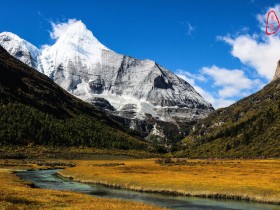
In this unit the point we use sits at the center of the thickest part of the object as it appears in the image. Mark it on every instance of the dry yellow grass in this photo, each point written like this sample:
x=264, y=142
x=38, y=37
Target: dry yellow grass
x=257, y=180
x=16, y=194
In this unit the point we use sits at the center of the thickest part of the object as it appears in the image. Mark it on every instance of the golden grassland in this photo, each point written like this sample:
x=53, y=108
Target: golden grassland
x=257, y=180
x=17, y=194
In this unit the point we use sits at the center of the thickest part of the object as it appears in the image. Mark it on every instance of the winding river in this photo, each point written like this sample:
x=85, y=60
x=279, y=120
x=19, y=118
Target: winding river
x=50, y=180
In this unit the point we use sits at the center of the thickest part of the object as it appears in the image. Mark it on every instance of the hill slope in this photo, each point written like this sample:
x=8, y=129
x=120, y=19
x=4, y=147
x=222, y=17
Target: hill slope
x=248, y=128
x=33, y=109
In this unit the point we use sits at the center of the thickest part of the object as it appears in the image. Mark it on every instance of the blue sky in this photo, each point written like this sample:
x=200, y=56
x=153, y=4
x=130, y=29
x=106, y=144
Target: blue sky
x=219, y=46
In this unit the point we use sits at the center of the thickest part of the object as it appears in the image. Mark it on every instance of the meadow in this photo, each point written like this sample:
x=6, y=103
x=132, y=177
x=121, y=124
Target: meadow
x=17, y=194
x=256, y=180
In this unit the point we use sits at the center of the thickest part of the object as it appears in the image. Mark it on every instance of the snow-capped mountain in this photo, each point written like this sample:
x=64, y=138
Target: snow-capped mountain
x=132, y=88
x=21, y=49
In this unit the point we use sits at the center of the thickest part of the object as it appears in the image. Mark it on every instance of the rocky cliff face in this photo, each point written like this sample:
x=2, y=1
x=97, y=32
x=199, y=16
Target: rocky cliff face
x=130, y=88
x=277, y=72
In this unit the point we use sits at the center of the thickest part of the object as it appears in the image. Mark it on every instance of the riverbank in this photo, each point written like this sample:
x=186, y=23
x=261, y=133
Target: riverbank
x=18, y=194
x=255, y=180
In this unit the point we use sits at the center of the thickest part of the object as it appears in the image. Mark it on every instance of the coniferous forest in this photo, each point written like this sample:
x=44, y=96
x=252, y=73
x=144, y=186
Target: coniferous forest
x=33, y=109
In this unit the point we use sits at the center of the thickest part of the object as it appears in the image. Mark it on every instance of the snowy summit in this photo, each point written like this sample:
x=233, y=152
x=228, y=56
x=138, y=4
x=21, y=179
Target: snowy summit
x=133, y=88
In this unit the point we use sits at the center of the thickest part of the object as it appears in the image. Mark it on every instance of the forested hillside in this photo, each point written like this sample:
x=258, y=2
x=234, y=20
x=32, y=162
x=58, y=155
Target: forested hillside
x=33, y=109
x=248, y=128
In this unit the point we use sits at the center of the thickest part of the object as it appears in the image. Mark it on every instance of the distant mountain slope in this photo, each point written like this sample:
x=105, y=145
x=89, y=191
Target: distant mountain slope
x=33, y=109
x=20, y=49
x=248, y=128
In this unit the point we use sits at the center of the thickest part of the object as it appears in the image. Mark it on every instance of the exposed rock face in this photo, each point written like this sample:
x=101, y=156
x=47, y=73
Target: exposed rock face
x=277, y=72
x=102, y=103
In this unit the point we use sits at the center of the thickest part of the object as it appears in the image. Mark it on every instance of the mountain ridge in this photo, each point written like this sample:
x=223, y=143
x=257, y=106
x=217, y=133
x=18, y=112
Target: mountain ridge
x=21, y=49
x=80, y=64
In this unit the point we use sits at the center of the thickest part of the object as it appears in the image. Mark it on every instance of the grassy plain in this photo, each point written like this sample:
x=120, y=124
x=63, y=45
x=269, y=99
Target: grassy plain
x=256, y=180
x=17, y=194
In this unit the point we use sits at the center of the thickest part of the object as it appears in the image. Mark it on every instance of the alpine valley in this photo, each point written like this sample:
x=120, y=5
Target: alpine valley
x=141, y=94
x=85, y=126
x=127, y=93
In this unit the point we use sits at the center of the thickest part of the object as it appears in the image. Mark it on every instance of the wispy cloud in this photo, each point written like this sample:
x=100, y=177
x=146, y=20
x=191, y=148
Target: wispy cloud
x=224, y=85
x=189, y=27
x=59, y=28
x=230, y=83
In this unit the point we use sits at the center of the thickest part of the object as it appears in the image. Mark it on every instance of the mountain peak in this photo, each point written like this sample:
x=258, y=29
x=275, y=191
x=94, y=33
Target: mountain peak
x=79, y=23
x=10, y=35
x=19, y=48
x=77, y=34
x=277, y=72
x=76, y=44
x=76, y=28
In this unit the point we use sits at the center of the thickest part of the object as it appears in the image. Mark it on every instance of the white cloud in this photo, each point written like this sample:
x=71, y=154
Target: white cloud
x=228, y=91
x=59, y=28
x=182, y=75
x=231, y=82
x=258, y=51
x=262, y=56
x=44, y=46
x=216, y=102
x=190, y=29
x=221, y=102
x=227, y=86
x=189, y=75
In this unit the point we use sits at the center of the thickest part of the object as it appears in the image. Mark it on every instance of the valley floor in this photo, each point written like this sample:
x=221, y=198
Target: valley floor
x=256, y=180
x=18, y=194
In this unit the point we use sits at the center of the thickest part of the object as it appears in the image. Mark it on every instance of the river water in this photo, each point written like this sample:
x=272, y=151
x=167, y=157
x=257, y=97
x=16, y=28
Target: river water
x=50, y=180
